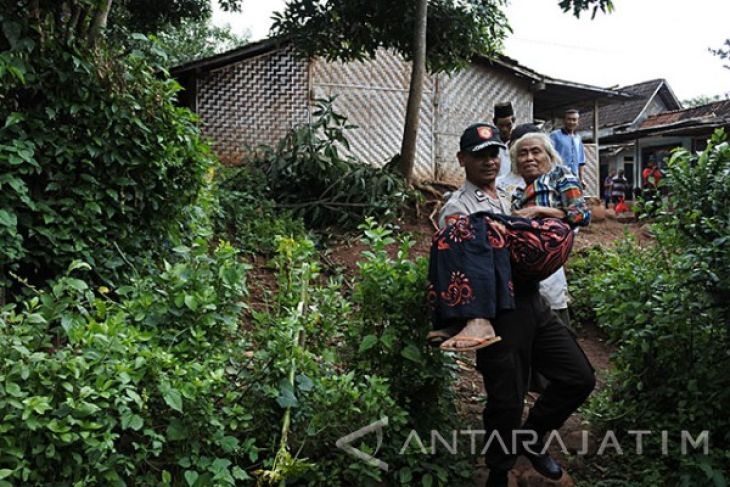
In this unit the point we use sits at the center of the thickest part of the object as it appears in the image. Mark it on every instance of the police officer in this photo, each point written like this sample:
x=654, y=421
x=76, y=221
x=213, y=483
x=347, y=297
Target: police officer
x=479, y=155
x=531, y=336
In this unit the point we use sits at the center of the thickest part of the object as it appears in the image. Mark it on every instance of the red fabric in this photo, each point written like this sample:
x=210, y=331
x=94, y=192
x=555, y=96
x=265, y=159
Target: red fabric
x=649, y=172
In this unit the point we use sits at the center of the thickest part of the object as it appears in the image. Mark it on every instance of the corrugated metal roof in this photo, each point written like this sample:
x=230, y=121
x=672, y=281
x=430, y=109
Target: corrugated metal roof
x=719, y=109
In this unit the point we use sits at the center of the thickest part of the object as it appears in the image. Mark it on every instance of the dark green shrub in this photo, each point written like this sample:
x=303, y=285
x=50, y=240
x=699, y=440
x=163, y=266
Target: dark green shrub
x=308, y=173
x=307, y=394
x=246, y=215
x=143, y=392
x=388, y=337
x=666, y=308
x=97, y=162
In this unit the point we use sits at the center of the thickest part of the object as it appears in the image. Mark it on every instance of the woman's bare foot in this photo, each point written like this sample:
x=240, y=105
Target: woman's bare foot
x=477, y=333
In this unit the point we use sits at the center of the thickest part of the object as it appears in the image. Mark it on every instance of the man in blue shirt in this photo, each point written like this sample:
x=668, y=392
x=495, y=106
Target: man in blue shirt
x=569, y=144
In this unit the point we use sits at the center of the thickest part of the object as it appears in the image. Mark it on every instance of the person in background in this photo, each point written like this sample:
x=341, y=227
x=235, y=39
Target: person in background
x=619, y=188
x=504, y=120
x=569, y=144
x=511, y=181
x=651, y=176
x=607, y=187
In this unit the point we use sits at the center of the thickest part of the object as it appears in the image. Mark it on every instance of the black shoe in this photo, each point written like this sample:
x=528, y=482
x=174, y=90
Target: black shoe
x=497, y=478
x=544, y=464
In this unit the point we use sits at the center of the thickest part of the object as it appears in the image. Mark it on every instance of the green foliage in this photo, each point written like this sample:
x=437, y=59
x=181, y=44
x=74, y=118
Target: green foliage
x=76, y=20
x=389, y=336
x=304, y=385
x=356, y=29
x=351, y=30
x=197, y=39
x=94, y=391
x=723, y=52
x=309, y=174
x=578, y=6
x=666, y=308
x=96, y=159
x=246, y=215
x=703, y=100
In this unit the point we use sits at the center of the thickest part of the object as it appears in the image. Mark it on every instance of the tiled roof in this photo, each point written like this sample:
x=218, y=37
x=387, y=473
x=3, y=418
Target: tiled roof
x=622, y=113
x=718, y=109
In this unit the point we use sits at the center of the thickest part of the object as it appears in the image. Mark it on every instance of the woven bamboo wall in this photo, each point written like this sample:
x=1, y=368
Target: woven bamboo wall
x=255, y=101
x=591, y=171
x=373, y=95
x=466, y=97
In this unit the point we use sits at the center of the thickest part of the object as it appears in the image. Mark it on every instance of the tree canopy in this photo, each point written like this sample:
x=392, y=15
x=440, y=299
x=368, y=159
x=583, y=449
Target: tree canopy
x=723, y=52
x=355, y=29
x=195, y=39
x=86, y=20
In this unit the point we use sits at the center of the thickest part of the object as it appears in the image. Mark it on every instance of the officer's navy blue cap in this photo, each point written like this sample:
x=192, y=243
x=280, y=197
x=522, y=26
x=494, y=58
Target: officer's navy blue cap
x=478, y=137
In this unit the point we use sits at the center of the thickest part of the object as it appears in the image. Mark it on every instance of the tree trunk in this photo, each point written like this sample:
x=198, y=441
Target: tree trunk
x=410, y=133
x=98, y=23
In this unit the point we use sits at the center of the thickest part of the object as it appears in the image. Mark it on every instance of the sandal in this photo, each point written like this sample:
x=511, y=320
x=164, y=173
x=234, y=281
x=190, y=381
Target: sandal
x=437, y=337
x=478, y=343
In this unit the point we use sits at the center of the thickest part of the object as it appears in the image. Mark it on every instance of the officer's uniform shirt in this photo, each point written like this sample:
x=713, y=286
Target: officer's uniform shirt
x=510, y=183
x=470, y=199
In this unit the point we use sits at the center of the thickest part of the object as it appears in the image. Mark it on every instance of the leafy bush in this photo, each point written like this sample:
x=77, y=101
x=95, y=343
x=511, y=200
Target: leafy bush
x=338, y=364
x=308, y=397
x=308, y=174
x=245, y=213
x=97, y=162
x=666, y=308
x=389, y=336
x=145, y=391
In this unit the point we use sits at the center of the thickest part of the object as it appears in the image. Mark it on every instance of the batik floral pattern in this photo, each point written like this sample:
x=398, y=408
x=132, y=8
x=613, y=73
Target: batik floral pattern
x=459, y=290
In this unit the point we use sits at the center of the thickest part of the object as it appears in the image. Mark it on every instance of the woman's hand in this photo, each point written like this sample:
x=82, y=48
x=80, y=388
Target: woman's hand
x=539, y=212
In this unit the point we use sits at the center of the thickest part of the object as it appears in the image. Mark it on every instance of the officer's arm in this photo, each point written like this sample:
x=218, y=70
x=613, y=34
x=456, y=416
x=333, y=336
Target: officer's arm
x=450, y=212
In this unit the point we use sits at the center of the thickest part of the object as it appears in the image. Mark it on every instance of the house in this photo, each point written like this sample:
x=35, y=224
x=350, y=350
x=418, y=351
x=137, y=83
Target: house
x=255, y=94
x=619, y=118
x=633, y=132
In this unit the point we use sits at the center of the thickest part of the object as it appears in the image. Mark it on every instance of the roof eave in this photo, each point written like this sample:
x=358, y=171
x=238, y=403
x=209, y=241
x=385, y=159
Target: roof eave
x=230, y=57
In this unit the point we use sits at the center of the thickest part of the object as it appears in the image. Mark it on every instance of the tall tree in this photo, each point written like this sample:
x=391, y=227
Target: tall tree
x=351, y=30
x=410, y=132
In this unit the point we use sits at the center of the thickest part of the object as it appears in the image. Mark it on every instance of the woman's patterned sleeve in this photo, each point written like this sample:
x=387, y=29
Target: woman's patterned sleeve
x=572, y=200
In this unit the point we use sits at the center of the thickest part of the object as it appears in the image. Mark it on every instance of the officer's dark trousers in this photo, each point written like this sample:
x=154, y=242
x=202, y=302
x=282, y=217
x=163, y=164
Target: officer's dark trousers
x=531, y=335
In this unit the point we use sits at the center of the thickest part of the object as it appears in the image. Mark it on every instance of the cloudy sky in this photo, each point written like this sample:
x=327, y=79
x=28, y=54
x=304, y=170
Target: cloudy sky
x=640, y=40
